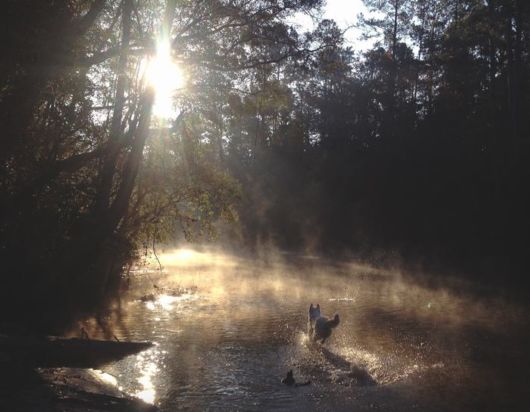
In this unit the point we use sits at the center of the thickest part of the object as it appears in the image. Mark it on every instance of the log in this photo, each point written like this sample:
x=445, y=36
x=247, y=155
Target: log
x=55, y=352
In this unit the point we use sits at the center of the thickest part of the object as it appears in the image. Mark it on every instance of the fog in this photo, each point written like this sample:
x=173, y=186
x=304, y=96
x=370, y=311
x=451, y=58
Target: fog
x=227, y=329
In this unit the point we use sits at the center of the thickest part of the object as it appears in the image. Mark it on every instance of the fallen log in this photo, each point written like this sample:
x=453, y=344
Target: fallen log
x=54, y=352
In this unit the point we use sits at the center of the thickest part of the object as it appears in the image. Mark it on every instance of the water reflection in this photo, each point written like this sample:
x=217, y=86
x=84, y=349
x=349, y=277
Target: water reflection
x=229, y=339
x=147, y=363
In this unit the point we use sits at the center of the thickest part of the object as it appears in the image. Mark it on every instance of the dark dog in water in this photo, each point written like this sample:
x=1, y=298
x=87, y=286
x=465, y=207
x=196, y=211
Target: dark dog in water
x=290, y=381
x=320, y=327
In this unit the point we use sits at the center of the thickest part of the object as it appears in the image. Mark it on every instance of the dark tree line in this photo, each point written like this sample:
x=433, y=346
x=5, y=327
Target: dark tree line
x=419, y=145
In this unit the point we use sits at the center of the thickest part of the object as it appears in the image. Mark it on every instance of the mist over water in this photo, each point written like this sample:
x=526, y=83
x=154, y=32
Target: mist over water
x=237, y=326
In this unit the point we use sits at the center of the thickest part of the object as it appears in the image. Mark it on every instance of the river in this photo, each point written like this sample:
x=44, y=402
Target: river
x=226, y=341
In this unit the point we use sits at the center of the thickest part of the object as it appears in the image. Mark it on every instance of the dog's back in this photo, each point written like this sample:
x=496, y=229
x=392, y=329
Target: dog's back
x=324, y=326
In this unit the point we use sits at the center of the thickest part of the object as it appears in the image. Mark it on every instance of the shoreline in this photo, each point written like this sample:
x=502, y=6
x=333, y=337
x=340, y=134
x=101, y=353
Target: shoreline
x=63, y=389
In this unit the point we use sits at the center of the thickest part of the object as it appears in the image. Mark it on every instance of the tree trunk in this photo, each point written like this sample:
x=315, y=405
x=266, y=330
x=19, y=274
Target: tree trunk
x=121, y=203
x=116, y=133
x=517, y=92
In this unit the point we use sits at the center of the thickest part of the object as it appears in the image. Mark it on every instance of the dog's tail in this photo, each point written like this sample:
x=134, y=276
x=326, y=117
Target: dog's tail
x=333, y=323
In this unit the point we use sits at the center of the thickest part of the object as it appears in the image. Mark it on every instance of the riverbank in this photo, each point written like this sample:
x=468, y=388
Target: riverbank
x=63, y=389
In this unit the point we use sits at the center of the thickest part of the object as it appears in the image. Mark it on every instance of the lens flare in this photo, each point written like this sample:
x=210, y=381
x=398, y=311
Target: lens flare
x=166, y=77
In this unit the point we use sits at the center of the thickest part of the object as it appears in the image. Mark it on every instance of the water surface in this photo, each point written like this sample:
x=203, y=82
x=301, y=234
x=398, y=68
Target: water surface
x=226, y=341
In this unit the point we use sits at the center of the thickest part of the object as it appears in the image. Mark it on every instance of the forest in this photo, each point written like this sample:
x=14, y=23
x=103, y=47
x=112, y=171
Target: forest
x=284, y=137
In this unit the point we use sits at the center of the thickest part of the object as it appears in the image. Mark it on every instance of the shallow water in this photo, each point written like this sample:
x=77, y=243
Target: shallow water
x=240, y=326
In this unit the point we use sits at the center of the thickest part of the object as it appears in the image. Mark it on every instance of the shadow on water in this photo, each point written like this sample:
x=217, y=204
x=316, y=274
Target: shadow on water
x=359, y=375
x=331, y=367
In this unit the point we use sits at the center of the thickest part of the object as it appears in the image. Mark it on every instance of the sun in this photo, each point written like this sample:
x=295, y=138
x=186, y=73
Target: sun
x=166, y=77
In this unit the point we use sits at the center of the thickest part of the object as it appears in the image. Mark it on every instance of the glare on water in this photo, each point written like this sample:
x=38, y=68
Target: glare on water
x=148, y=368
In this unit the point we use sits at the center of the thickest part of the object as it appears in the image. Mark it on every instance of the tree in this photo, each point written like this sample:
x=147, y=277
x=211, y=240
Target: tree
x=74, y=202
x=395, y=26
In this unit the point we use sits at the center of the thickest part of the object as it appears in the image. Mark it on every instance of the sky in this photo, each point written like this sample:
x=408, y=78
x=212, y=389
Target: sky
x=345, y=13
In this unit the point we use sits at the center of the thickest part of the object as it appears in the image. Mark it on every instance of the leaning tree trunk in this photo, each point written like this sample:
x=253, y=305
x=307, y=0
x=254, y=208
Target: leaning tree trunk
x=118, y=212
x=97, y=252
x=108, y=171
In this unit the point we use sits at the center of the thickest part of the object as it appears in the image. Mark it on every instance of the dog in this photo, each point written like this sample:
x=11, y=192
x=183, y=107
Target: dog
x=320, y=327
x=314, y=314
